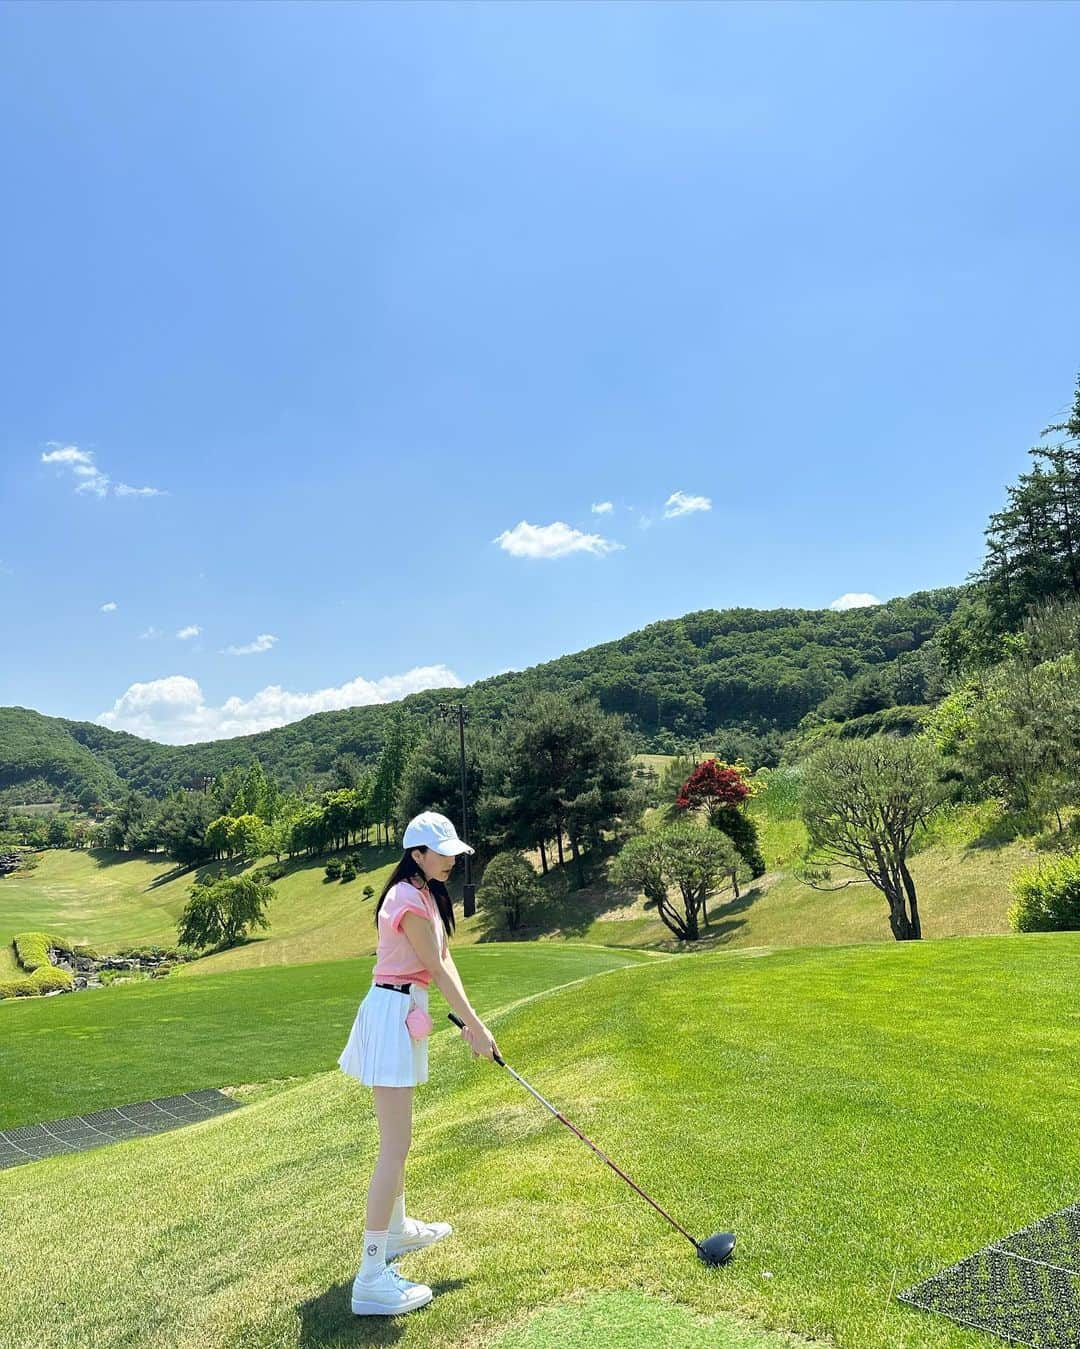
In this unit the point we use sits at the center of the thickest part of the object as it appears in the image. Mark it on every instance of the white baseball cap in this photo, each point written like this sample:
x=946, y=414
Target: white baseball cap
x=429, y=829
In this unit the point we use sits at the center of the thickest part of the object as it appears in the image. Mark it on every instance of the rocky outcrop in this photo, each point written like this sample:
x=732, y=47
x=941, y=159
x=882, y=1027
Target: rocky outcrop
x=9, y=862
x=86, y=970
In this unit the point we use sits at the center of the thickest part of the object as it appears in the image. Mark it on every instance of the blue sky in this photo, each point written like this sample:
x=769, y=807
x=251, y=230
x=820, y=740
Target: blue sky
x=326, y=328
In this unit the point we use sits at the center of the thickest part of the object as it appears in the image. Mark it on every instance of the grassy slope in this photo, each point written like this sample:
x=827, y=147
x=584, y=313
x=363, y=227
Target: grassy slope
x=140, y=1040
x=962, y=872
x=861, y=1116
x=99, y=897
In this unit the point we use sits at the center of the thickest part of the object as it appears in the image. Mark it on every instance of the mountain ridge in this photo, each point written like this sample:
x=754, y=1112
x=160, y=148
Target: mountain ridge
x=754, y=673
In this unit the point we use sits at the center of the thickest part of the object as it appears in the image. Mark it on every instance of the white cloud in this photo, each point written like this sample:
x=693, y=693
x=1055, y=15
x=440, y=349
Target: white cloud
x=93, y=479
x=173, y=710
x=602, y=507
x=644, y=521
x=681, y=504
x=554, y=540
x=123, y=490
x=151, y=631
x=192, y=630
x=854, y=600
x=70, y=454
x=98, y=483
x=109, y=607
x=263, y=642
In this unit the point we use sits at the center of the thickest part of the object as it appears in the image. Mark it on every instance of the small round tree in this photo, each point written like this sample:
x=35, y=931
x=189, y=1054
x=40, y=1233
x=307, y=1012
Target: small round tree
x=861, y=802
x=683, y=857
x=510, y=888
x=713, y=785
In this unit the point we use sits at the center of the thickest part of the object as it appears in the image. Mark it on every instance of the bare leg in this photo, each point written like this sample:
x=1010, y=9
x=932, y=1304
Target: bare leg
x=393, y=1109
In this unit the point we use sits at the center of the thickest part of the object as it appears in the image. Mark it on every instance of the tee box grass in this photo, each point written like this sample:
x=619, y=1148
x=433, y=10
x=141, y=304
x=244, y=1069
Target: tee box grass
x=861, y=1116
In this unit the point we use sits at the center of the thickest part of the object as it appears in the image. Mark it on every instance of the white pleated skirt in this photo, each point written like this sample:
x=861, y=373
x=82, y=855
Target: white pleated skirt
x=380, y=1052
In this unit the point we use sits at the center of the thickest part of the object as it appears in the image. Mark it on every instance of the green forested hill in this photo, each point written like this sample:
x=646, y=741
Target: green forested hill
x=39, y=756
x=752, y=674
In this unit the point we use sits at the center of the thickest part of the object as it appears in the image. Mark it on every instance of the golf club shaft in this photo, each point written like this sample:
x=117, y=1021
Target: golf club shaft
x=588, y=1142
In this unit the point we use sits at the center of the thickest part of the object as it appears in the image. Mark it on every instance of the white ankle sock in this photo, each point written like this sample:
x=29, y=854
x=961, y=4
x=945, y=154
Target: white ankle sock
x=397, y=1216
x=374, y=1261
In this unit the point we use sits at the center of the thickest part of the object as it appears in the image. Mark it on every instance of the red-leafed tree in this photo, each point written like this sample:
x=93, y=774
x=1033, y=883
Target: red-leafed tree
x=713, y=786
x=721, y=789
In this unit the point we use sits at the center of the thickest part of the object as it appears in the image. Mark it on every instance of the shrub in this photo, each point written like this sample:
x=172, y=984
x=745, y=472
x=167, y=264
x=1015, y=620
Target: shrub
x=51, y=979
x=333, y=870
x=348, y=871
x=1047, y=896
x=133, y=952
x=368, y=891
x=510, y=887
x=120, y=976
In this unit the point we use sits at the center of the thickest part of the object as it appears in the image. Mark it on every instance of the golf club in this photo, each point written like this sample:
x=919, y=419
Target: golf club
x=714, y=1250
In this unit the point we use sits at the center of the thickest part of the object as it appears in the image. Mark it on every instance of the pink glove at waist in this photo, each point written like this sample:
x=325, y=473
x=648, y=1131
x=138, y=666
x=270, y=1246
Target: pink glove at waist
x=419, y=1023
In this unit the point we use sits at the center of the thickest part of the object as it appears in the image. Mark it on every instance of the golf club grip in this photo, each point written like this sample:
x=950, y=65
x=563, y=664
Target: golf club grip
x=458, y=1022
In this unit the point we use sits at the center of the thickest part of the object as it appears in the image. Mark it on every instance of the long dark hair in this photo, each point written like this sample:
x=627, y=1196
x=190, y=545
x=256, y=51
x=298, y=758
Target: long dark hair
x=405, y=870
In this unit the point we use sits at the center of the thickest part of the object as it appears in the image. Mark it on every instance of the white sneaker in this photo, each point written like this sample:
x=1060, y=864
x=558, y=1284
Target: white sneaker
x=414, y=1236
x=387, y=1294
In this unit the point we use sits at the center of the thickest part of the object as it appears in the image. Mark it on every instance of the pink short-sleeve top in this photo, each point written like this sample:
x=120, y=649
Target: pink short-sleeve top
x=396, y=961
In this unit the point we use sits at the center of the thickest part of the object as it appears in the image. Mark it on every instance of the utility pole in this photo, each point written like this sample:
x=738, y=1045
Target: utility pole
x=448, y=712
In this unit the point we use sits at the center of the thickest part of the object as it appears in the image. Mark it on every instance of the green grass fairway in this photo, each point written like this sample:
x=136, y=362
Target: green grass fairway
x=861, y=1116
x=67, y=1055
x=93, y=896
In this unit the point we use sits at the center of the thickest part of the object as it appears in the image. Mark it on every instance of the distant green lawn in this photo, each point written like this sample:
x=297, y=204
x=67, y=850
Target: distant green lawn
x=94, y=896
x=861, y=1116
x=73, y=1053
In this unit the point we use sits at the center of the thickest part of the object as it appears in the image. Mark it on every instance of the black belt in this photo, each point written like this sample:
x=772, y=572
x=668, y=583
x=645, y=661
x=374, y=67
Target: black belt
x=398, y=988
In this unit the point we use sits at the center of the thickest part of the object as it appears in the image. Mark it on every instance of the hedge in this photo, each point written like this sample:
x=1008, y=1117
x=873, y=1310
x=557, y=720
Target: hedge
x=32, y=953
x=32, y=948
x=46, y=979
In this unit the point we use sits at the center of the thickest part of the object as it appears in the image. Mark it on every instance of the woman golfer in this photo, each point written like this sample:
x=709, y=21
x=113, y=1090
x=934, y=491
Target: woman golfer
x=387, y=1049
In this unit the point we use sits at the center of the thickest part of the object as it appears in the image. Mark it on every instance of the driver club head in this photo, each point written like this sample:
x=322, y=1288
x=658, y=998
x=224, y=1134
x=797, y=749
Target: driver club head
x=717, y=1249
